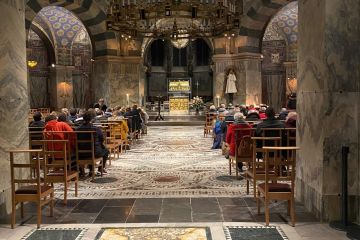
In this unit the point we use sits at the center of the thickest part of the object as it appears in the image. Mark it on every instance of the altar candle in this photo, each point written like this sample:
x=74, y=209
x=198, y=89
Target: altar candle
x=127, y=99
x=218, y=101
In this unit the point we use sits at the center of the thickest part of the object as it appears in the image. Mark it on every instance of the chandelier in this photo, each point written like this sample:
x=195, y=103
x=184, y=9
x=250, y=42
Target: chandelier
x=174, y=19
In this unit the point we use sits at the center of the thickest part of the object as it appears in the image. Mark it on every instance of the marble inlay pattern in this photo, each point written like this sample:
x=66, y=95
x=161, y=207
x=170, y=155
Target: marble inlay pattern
x=181, y=154
x=254, y=233
x=155, y=233
x=55, y=233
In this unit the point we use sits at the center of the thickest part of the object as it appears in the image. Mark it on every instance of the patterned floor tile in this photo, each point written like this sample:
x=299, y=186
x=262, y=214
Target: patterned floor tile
x=254, y=233
x=168, y=162
x=155, y=233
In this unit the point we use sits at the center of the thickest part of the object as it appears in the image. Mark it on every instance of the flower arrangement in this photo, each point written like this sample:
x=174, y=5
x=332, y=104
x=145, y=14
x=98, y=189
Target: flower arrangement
x=197, y=102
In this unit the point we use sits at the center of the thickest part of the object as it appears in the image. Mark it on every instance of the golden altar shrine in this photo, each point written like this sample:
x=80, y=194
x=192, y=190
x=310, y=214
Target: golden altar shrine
x=179, y=95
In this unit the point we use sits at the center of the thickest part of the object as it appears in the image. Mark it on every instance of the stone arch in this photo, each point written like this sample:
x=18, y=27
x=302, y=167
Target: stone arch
x=257, y=15
x=90, y=13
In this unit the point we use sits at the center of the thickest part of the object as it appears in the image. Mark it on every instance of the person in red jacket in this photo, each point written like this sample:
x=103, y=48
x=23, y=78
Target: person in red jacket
x=239, y=123
x=54, y=130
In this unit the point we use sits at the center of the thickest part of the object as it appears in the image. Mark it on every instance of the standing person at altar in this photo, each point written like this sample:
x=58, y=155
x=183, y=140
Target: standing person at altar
x=231, y=85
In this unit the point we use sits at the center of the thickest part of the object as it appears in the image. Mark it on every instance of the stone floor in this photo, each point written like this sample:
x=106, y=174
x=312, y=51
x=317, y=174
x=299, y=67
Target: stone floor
x=170, y=178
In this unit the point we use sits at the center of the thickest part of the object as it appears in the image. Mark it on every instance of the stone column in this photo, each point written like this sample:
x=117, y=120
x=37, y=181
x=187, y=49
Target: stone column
x=117, y=76
x=14, y=103
x=248, y=74
x=61, y=87
x=328, y=104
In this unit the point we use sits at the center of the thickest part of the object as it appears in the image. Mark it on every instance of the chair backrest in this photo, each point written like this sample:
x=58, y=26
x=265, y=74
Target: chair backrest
x=288, y=135
x=209, y=118
x=56, y=156
x=35, y=134
x=258, y=150
x=245, y=148
x=283, y=161
x=85, y=145
x=115, y=131
x=18, y=175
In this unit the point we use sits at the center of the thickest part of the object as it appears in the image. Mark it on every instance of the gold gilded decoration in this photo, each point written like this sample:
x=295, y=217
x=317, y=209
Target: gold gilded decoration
x=179, y=85
x=155, y=233
x=179, y=104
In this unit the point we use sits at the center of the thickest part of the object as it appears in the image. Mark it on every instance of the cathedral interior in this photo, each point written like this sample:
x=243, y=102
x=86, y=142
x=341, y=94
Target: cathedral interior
x=170, y=184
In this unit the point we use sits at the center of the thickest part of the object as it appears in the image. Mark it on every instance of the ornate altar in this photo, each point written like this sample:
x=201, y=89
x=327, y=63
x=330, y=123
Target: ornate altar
x=179, y=92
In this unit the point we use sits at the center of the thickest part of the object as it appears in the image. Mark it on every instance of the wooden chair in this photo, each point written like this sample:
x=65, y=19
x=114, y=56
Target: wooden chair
x=280, y=183
x=256, y=169
x=243, y=150
x=35, y=137
x=58, y=167
x=208, y=127
x=30, y=189
x=112, y=144
x=85, y=152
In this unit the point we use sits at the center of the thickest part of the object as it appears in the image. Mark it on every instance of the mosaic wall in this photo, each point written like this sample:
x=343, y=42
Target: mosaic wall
x=279, y=45
x=63, y=27
x=72, y=46
x=284, y=26
x=38, y=75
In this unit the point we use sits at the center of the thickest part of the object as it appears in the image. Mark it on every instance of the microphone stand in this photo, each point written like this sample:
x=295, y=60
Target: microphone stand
x=159, y=117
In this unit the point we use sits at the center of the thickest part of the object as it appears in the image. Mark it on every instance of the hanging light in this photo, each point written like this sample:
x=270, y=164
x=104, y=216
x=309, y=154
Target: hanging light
x=32, y=63
x=153, y=18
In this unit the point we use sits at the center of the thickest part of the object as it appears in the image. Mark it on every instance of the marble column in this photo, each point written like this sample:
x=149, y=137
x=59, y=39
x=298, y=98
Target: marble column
x=115, y=77
x=61, y=87
x=14, y=102
x=328, y=104
x=248, y=74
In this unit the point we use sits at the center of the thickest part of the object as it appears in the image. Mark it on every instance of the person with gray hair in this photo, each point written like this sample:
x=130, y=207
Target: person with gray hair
x=233, y=137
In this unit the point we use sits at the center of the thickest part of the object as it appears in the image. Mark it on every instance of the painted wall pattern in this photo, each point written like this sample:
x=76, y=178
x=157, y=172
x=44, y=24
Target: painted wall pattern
x=38, y=75
x=63, y=28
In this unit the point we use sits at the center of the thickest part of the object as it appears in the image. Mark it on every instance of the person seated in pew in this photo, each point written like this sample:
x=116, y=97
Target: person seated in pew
x=262, y=113
x=269, y=122
x=100, y=149
x=37, y=123
x=63, y=118
x=72, y=115
x=283, y=114
x=253, y=115
x=59, y=129
x=224, y=126
x=233, y=137
x=290, y=121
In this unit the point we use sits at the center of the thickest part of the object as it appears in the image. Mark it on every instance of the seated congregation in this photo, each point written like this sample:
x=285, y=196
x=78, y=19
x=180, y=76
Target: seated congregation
x=261, y=145
x=69, y=146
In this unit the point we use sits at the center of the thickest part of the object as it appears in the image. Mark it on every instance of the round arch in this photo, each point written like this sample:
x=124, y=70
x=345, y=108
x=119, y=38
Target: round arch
x=91, y=15
x=257, y=15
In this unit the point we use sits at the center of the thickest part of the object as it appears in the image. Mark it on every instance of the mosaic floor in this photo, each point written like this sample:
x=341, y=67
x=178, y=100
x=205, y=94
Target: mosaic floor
x=168, y=162
x=160, y=233
x=170, y=185
x=155, y=233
